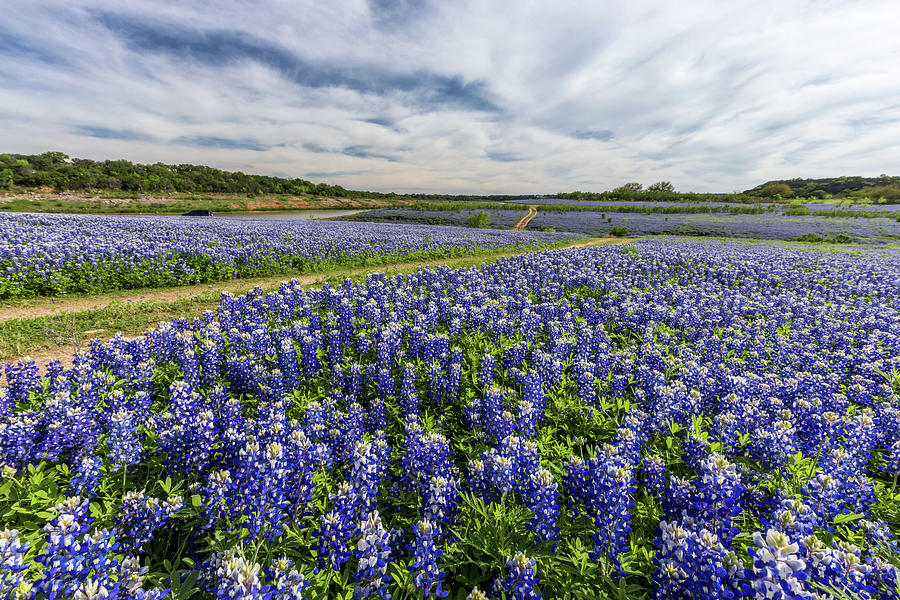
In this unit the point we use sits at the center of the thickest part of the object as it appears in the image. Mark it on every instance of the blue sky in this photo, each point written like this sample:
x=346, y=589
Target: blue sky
x=462, y=97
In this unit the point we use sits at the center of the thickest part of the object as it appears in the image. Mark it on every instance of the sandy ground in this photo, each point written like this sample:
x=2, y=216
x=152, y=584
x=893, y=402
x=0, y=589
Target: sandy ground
x=524, y=221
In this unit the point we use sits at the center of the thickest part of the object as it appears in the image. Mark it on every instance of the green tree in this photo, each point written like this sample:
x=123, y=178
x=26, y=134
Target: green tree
x=661, y=186
x=632, y=186
x=776, y=189
x=6, y=179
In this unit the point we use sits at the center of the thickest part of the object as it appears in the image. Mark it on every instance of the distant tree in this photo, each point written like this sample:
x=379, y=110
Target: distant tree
x=661, y=186
x=776, y=189
x=632, y=186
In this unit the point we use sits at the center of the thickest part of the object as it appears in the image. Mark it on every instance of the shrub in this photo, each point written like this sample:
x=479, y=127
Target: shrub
x=479, y=220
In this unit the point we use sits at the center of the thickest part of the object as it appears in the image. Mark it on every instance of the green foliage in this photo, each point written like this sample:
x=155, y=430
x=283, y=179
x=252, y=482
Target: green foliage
x=837, y=238
x=873, y=187
x=661, y=186
x=620, y=231
x=887, y=192
x=479, y=220
x=779, y=190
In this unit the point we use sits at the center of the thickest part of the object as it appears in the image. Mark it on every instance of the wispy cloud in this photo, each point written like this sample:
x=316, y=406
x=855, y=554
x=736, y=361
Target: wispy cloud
x=203, y=141
x=417, y=95
x=105, y=133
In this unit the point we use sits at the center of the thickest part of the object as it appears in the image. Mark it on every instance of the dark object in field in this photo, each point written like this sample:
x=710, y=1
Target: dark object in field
x=198, y=213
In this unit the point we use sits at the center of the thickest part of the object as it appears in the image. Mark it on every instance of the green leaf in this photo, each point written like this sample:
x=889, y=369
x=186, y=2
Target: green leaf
x=844, y=518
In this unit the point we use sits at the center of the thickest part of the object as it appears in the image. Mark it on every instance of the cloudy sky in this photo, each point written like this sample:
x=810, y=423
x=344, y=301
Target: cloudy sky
x=462, y=97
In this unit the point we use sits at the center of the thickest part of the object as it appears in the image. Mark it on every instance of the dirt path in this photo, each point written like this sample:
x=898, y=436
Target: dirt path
x=522, y=223
x=65, y=353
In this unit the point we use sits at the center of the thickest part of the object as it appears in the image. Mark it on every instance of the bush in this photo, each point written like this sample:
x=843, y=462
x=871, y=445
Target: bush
x=479, y=220
x=620, y=231
x=810, y=237
x=773, y=190
x=835, y=238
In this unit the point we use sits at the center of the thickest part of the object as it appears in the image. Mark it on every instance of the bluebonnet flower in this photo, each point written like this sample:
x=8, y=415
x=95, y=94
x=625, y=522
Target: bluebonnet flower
x=336, y=528
x=88, y=472
x=476, y=594
x=11, y=564
x=505, y=468
x=718, y=494
x=187, y=432
x=131, y=581
x=519, y=583
x=140, y=516
x=533, y=394
x=792, y=517
x=486, y=371
x=773, y=444
x=373, y=552
x=238, y=578
x=304, y=458
x=218, y=502
x=260, y=488
x=778, y=570
x=124, y=442
x=425, y=454
x=437, y=384
x=694, y=450
x=309, y=348
x=19, y=435
x=6, y=403
x=409, y=398
x=542, y=498
x=288, y=582
x=425, y=553
x=454, y=380
x=498, y=422
x=440, y=500
x=695, y=562
x=68, y=426
x=840, y=566
x=369, y=464
x=23, y=378
x=604, y=485
x=653, y=471
x=892, y=464
x=75, y=562
x=386, y=383
x=587, y=385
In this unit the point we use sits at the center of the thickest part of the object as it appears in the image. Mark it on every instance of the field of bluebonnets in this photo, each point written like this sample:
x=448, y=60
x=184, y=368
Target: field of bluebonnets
x=498, y=218
x=50, y=254
x=663, y=419
x=770, y=222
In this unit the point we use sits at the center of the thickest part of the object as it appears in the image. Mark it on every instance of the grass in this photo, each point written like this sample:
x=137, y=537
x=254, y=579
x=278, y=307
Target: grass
x=20, y=337
x=124, y=203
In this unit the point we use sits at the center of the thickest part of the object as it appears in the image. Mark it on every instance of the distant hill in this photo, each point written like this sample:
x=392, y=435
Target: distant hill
x=886, y=186
x=57, y=170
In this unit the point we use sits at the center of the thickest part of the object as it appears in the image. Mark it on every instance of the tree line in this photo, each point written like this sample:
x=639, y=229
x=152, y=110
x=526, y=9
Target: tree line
x=883, y=186
x=62, y=173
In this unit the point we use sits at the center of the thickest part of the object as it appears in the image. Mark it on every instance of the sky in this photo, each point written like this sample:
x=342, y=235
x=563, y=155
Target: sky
x=462, y=97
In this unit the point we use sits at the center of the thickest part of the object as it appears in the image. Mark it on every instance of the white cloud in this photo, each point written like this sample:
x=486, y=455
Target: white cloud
x=465, y=97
